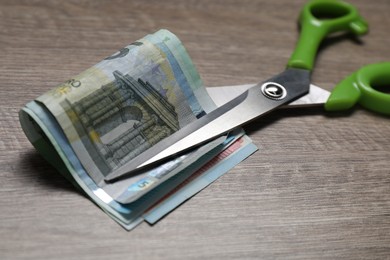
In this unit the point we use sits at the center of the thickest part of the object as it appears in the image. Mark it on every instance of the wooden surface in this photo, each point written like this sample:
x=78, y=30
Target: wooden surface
x=319, y=188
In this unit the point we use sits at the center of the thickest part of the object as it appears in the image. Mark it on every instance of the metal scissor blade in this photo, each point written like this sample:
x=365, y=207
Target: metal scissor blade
x=316, y=97
x=221, y=95
x=256, y=101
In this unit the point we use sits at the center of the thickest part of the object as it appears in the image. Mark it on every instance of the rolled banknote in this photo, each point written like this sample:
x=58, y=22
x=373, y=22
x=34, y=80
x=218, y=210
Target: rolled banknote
x=96, y=122
x=123, y=105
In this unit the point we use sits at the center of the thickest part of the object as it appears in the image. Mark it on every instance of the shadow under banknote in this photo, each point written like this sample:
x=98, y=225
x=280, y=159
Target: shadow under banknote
x=47, y=175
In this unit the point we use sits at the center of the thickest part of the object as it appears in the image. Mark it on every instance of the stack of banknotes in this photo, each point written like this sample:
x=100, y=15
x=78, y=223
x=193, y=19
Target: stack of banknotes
x=98, y=121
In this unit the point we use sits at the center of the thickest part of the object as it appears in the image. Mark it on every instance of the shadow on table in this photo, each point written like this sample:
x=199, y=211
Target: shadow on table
x=35, y=166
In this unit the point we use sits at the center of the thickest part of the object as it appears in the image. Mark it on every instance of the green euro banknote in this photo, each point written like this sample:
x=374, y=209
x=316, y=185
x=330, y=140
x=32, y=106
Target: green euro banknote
x=96, y=122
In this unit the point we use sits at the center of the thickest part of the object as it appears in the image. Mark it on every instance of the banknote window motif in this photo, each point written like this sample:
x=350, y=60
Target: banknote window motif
x=122, y=119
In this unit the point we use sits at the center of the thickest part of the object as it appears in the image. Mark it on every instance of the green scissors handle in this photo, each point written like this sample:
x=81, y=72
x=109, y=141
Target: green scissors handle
x=360, y=86
x=319, y=18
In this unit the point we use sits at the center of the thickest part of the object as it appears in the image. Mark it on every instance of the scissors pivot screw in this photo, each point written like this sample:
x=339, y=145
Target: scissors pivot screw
x=273, y=90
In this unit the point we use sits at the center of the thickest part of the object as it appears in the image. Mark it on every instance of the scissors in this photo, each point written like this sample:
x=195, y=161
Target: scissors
x=318, y=19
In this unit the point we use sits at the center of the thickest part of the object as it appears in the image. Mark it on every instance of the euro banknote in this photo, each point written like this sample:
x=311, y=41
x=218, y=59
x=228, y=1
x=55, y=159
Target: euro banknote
x=96, y=122
x=123, y=105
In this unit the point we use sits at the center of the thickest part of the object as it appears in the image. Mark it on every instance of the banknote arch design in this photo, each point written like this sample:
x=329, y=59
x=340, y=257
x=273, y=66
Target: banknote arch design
x=121, y=120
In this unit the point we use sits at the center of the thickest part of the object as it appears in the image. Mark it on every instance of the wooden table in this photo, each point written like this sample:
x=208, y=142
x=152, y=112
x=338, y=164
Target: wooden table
x=318, y=188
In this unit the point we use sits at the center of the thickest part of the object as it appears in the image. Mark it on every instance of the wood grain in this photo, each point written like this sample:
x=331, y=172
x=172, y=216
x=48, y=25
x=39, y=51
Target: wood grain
x=319, y=188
